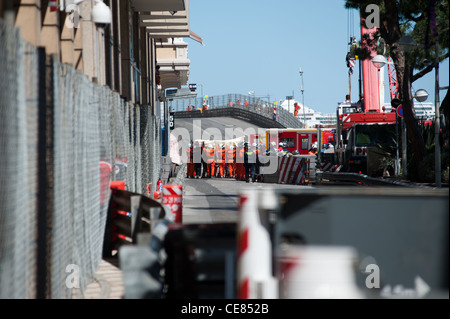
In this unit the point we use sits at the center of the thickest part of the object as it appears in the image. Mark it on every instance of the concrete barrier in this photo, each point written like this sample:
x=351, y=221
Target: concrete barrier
x=296, y=170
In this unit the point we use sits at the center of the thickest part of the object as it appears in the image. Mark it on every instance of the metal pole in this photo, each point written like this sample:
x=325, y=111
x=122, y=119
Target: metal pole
x=397, y=160
x=44, y=173
x=404, y=141
x=350, y=84
x=437, y=128
x=359, y=81
x=303, y=98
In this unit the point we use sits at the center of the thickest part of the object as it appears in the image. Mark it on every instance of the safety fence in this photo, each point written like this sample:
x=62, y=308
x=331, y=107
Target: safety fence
x=63, y=139
x=239, y=102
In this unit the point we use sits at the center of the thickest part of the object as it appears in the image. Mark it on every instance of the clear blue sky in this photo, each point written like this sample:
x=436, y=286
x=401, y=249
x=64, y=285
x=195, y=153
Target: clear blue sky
x=259, y=45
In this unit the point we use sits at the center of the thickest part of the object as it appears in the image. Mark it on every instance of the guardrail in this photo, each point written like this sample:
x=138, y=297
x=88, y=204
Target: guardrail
x=323, y=177
x=239, y=106
x=327, y=170
x=241, y=114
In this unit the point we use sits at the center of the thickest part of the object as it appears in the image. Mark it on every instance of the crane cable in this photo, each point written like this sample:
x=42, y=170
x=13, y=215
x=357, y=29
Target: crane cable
x=351, y=41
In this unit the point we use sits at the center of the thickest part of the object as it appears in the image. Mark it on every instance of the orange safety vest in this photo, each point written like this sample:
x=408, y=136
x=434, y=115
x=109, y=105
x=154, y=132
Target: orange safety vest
x=221, y=155
x=240, y=156
x=230, y=154
x=209, y=155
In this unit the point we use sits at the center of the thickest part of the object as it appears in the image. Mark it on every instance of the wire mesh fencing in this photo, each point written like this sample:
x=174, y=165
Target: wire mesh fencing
x=63, y=139
x=18, y=132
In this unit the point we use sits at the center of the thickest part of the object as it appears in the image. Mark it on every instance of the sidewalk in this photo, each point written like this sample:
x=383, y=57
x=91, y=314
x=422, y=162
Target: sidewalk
x=108, y=283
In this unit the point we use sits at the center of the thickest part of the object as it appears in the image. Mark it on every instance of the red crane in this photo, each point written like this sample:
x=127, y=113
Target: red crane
x=393, y=85
x=364, y=127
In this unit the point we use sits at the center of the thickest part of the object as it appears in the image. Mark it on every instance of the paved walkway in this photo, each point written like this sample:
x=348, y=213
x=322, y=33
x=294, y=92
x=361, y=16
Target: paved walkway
x=108, y=283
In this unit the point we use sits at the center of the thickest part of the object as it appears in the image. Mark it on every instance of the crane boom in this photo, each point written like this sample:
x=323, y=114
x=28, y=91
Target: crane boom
x=365, y=128
x=393, y=85
x=370, y=72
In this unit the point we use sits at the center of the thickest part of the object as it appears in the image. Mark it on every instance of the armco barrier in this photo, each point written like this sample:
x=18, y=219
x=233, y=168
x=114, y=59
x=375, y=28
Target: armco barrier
x=336, y=176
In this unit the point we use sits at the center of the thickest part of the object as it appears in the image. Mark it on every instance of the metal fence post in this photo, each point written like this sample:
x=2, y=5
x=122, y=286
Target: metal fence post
x=45, y=166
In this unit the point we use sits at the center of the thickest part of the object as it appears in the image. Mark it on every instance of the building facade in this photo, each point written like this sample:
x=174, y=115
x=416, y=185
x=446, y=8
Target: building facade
x=138, y=51
x=81, y=88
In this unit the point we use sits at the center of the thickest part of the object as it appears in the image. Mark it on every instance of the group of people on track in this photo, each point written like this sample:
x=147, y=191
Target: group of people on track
x=240, y=161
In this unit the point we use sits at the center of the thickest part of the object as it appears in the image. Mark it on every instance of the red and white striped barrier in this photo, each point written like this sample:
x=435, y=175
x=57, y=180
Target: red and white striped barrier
x=172, y=197
x=329, y=167
x=292, y=170
x=254, y=263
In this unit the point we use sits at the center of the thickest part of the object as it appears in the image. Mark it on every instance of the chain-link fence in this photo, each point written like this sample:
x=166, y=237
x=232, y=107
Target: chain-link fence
x=239, y=101
x=18, y=134
x=63, y=138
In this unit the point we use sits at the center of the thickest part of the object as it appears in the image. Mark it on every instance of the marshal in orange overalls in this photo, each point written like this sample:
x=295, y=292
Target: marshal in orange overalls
x=230, y=160
x=221, y=161
x=210, y=163
x=240, y=171
x=190, y=163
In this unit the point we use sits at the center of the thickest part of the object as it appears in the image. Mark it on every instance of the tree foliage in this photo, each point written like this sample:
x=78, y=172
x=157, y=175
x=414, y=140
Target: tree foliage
x=414, y=20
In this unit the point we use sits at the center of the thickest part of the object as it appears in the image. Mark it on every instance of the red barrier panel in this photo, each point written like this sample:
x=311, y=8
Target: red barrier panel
x=293, y=170
x=172, y=196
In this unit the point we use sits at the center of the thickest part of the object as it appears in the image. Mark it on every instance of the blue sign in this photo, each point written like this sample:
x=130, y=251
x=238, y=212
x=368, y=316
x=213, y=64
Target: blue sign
x=400, y=110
